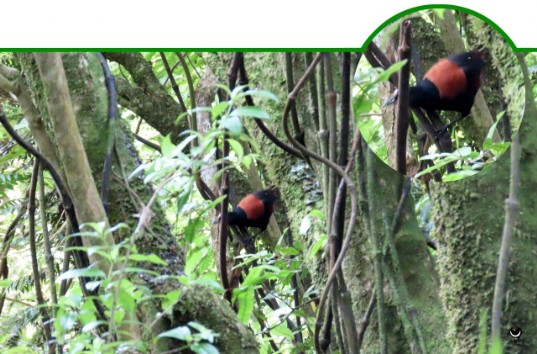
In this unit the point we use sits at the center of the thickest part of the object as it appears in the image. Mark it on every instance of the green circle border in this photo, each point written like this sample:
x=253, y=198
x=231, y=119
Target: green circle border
x=445, y=7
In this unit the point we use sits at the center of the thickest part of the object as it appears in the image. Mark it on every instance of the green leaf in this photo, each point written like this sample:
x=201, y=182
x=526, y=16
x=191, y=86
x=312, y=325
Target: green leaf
x=87, y=312
x=137, y=270
x=254, y=277
x=305, y=225
x=65, y=320
x=204, y=348
x=317, y=246
x=93, y=325
x=496, y=347
x=4, y=283
x=260, y=94
x=84, y=272
x=385, y=74
x=459, y=175
x=237, y=90
x=282, y=331
x=237, y=147
x=219, y=109
x=183, y=197
x=245, y=299
x=216, y=285
x=167, y=146
x=440, y=13
x=182, y=333
x=499, y=116
x=316, y=213
x=233, y=124
x=482, y=345
x=151, y=258
x=171, y=298
x=204, y=332
x=19, y=350
x=287, y=251
x=223, y=87
x=251, y=111
x=125, y=300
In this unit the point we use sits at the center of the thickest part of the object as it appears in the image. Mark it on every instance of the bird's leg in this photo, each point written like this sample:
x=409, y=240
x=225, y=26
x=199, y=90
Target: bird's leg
x=444, y=129
x=250, y=240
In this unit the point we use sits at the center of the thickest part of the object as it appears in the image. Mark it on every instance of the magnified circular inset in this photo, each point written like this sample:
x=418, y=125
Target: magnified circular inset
x=439, y=94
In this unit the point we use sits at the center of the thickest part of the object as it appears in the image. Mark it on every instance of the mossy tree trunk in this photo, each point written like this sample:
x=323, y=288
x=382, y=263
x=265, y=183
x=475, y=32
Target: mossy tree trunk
x=89, y=100
x=469, y=217
x=301, y=187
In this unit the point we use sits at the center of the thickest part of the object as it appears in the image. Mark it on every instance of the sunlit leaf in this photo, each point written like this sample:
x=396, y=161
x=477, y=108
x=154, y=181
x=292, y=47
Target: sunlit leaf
x=251, y=111
x=182, y=333
x=245, y=299
x=84, y=272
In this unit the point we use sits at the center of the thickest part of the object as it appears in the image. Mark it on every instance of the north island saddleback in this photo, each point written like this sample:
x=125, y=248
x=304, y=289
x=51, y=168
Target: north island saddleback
x=254, y=210
x=450, y=85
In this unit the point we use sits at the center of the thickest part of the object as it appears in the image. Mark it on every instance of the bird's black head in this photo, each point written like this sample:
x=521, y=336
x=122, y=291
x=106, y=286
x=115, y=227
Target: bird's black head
x=470, y=61
x=270, y=194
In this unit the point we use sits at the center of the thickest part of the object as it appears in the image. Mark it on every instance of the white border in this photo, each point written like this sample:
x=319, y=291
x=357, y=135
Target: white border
x=224, y=23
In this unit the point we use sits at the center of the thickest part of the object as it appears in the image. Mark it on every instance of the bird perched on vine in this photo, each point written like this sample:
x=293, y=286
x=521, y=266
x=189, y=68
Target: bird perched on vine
x=255, y=209
x=450, y=85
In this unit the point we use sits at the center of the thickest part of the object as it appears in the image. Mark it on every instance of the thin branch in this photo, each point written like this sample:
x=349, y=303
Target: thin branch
x=175, y=87
x=112, y=113
x=401, y=121
x=151, y=144
x=312, y=83
x=290, y=84
x=45, y=319
x=194, y=124
x=47, y=247
x=341, y=172
x=224, y=229
x=511, y=213
x=364, y=322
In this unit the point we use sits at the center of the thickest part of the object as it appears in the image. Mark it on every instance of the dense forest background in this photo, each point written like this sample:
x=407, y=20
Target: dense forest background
x=118, y=170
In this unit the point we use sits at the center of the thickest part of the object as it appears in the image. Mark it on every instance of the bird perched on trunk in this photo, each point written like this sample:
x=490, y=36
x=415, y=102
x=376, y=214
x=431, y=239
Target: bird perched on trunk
x=254, y=210
x=451, y=85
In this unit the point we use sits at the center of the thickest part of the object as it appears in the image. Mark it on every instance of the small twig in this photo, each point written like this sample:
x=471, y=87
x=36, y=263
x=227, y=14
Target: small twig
x=377, y=59
x=17, y=301
x=364, y=322
x=151, y=144
x=175, y=87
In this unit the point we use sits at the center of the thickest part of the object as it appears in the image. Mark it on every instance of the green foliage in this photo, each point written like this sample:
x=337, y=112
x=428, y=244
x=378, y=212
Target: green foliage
x=199, y=342
x=366, y=106
x=77, y=324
